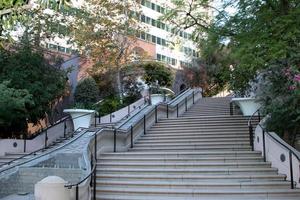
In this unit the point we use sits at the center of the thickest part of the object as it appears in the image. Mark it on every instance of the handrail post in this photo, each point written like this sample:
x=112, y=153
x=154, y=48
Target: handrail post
x=155, y=113
x=24, y=136
x=231, y=108
x=131, y=136
x=65, y=128
x=77, y=192
x=128, y=109
x=46, y=138
x=95, y=147
x=251, y=136
x=94, y=185
x=110, y=118
x=291, y=169
x=115, y=140
x=185, y=103
x=167, y=110
x=258, y=116
x=193, y=97
x=177, y=109
x=144, y=124
x=264, y=146
x=95, y=120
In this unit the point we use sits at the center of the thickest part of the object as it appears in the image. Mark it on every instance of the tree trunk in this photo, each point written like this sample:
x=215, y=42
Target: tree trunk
x=119, y=86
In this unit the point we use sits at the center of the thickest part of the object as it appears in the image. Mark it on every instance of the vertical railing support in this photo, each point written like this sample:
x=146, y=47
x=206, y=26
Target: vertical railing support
x=177, y=110
x=115, y=140
x=185, y=103
x=77, y=192
x=155, y=113
x=258, y=116
x=128, y=109
x=193, y=97
x=94, y=185
x=231, y=108
x=131, y=136
x=25, y=137
x=95, y=120
x=291, y=169
x=167, y=110
x=264, y=145
x=144, y=124
x=110, y=117
x=251, y=136
x=65, y=128
x=46, y=138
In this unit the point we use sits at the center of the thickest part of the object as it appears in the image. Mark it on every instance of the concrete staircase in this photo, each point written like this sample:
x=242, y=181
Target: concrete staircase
x=204, y=154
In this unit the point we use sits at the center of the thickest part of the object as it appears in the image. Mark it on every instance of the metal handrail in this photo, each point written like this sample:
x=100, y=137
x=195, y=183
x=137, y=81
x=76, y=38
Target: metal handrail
x=58, y=148
x=192, y=95
x=264, y=131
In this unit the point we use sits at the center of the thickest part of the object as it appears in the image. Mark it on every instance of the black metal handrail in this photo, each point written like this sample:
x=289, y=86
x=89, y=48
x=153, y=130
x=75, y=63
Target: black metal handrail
x=92, y=174
x=185, y=100
x=264, y=132
x=35, y=152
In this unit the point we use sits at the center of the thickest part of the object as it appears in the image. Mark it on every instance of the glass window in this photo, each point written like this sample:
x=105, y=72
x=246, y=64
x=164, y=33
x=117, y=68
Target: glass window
x=185, y=35
x=148, y=37
x=143, y=35
x=152, y=6
x=181, y=33
x=158, y=40
x=163, y=26
x=158, y=57
x=61, y=49
x=143, y=2
x=162, y=10
x=163, y=42
x=143, y=18
x=153, y=22
x=148, y=4
x=158, y=8
x=158, y=24
x=153, y=39
x=148, y=20
x=163, y=58
x=173, y=61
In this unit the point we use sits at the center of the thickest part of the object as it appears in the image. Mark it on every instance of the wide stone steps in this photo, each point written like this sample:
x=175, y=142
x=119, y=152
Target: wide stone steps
x=204, y=154
x=194, y=171
x=179, y=165
x=193, y=177
x=194, y=184
x=188, y=193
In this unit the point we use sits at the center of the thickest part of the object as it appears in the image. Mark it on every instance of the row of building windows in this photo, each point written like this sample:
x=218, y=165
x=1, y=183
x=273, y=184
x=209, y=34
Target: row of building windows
x=62, y=49
x=160, y=41
x=153, y=6
x=171, y=61
x=163, y=26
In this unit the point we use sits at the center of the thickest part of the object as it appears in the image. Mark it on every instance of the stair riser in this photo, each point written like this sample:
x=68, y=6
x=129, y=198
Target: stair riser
x=168, y=141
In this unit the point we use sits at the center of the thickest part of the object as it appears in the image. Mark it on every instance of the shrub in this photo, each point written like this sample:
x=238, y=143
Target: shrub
x=86, y=93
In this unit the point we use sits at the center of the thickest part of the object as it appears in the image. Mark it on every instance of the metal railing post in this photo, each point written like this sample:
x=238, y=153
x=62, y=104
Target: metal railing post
x=185, y=103
x=95, y=120
x=65, y=128
x=291, y=169
x=167, y=110
x=193, y=97
x=258, y=116
x=46, y=138
x=155, y=113
x=95, y=147
x=94, y=185
x=264, y=145
x=24, y=136
x=177, y=110
x=131, y=136
x=144, y=124
x=251, y=136
x=128, y=109
x=110, y=118
x=77, y=192
x=115, y=140
x=231, y=108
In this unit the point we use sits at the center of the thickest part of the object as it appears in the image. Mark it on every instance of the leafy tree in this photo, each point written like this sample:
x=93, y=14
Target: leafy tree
x=14, y=109
x=26, y=69
x=156, y=71
x=279, y=93
x=86, y=93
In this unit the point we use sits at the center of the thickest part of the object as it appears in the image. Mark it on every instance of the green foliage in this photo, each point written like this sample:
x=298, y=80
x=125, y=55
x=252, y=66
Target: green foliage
x=156, y=71
x=279, y=93
x=86, y=93
x=109, y=105
x=27, y=70
x=14, y=109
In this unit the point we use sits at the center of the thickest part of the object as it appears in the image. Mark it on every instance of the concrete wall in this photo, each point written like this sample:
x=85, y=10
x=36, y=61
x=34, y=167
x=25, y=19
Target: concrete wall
x=277, y=154
x=17, y=145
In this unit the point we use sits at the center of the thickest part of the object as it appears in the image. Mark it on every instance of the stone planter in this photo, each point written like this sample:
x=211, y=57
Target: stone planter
x=82, y=118
x=247, y=105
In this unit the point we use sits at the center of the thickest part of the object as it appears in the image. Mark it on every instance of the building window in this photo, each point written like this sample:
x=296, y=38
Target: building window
x=158, y=40
x=158, y=57
x=158, y=8
x=153, y=39
x=152, y=6
x=143, y=35
x=148, y=20
x=153, y=22
x=143, y=18
x=163, y=42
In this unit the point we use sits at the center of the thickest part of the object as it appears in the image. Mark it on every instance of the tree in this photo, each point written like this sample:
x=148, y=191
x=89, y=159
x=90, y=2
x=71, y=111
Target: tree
x=26, y=69
x=86, y=93
x=105, y=32
x=157, y=72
